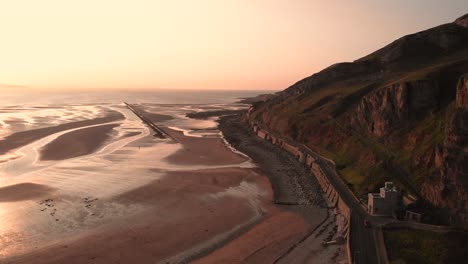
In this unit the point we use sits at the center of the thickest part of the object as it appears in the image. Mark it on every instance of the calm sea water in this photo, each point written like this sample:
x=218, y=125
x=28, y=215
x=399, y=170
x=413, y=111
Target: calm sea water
x=24, y=98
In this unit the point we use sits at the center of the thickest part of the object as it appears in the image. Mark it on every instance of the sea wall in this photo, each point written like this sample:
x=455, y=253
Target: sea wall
x=262, y=134
x=309, y=159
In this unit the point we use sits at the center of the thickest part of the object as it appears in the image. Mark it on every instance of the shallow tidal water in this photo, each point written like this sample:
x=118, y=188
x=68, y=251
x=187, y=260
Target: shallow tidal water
x=55, y=199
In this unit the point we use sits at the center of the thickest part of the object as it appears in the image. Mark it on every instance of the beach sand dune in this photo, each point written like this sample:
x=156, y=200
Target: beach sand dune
x=77, y=143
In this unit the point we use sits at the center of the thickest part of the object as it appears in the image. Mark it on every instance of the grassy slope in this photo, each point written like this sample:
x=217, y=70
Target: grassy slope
x=424, y=247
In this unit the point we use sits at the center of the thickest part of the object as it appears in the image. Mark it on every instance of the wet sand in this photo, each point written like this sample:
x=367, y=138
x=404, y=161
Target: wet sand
x=196, y=203
x=24, y=191
x=264, y=243
x=22, y=138
x=290, y=233
x=195, y=182
x=158, y=117
x=187, y=212
x=77, y=143
x=202, y=150
x=153, y=117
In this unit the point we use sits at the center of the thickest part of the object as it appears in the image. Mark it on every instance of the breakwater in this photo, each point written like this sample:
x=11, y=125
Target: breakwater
x=158, y=131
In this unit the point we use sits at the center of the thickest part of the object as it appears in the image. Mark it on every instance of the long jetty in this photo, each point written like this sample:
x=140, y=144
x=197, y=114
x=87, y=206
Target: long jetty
x=157, y=130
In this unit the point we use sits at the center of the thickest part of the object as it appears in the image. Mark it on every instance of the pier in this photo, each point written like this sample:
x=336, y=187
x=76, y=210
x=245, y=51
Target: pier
x=157, y=130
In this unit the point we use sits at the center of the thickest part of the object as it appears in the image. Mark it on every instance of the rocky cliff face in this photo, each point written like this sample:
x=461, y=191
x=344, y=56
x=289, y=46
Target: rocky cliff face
x=462, y=92
x=397, y=109
x=462, y=21
x=395, y=106
x=448, y=186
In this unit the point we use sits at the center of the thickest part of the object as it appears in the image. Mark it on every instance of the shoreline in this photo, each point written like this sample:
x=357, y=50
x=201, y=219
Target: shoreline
x=290, y=221
x=195, y=150
x=221, y=214
x=275, y=163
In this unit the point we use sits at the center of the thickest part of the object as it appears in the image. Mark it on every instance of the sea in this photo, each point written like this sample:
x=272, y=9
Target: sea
x=161, y=96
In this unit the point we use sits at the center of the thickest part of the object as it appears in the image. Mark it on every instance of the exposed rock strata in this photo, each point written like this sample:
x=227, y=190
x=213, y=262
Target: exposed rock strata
x=449, y=184
x=462, y=92
x=386, y=109
x=397, y=114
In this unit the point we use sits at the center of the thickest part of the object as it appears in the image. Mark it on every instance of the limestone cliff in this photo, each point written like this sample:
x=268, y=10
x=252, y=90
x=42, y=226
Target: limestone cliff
x=397, y=114
x=462, y=92
x=395, y=106
x=448, y=185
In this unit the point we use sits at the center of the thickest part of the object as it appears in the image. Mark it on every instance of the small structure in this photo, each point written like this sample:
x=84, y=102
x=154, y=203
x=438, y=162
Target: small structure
x=255, y=128
x=274, y=139
x=295, y=151
x=384, y=202
x=262, y=134
x=310, y=160
x=408, y=200
x=249, y=111
x=412, y=216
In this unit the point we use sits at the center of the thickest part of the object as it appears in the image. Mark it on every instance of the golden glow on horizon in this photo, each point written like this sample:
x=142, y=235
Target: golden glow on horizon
x=192, y=44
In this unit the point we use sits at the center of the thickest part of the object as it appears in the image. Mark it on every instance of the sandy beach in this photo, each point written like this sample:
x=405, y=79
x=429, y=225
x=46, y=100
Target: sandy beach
x=184, y=211
x=79, y=142
x=24, y=191
x=116, y=194
x=264, y=243
x=199, y=150
x=22, y=138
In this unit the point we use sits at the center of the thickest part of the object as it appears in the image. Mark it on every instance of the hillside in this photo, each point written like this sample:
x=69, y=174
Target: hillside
x=400, y=113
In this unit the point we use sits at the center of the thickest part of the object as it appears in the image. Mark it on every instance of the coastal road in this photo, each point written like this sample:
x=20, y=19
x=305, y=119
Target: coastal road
x=362, y=240
x=365, y=248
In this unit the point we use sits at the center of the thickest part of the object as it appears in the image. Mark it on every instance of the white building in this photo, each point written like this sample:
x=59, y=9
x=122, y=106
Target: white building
x=385, y=202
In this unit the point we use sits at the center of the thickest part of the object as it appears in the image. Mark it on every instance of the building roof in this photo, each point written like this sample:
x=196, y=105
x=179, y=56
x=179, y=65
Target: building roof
x=376, y=195
x=389, y=187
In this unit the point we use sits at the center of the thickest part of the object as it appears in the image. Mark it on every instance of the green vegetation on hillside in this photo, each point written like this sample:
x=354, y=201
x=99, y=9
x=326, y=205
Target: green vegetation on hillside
x=424, y=247
x=428, y=134
x=384, y=117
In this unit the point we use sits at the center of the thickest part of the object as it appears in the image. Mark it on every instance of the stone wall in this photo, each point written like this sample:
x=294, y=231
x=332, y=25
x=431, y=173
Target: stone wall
x=304, y=156
x=262, y=134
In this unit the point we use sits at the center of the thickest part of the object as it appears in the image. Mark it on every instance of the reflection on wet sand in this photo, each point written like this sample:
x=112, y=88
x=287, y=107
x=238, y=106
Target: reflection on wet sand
x=195, y=151
x=104, y=190
x=74, y=185
x=78, y=142
x=22, y=138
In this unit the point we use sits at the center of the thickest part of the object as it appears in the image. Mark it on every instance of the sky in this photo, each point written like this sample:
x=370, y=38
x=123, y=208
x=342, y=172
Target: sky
x=197, y=44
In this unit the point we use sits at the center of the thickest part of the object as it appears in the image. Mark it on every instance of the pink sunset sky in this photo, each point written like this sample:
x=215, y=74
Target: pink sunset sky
x=197, y=44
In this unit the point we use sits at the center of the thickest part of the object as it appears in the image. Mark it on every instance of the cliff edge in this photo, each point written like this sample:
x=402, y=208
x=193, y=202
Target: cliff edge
x=398, y=114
